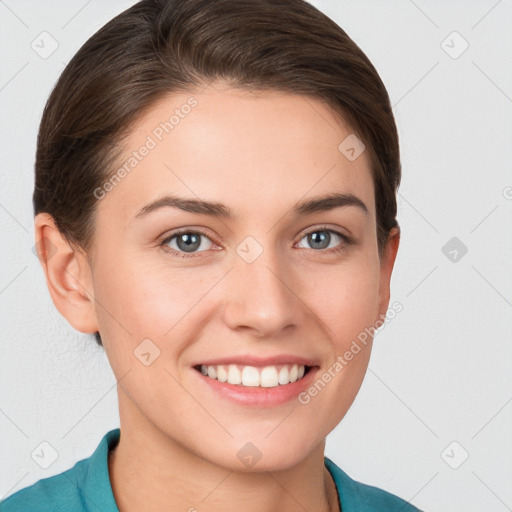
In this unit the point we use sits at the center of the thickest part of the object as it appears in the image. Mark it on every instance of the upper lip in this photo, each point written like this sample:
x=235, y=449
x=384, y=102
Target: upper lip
x=251, y=360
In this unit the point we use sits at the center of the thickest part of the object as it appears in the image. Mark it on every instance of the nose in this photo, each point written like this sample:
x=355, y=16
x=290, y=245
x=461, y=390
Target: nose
x=262, y=297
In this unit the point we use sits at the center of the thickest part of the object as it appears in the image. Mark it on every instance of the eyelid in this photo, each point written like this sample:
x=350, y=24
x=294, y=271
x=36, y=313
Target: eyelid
x=180, y=231
x=324, y=227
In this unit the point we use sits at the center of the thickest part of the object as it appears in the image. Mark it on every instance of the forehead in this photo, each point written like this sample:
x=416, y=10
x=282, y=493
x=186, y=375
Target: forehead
x=247, y=149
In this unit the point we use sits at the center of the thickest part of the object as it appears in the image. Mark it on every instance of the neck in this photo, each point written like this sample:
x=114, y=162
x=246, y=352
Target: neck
x=150, y=471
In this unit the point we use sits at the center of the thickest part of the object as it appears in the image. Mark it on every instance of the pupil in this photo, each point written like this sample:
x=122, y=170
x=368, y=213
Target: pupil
x=188, y=242
x=321, y=237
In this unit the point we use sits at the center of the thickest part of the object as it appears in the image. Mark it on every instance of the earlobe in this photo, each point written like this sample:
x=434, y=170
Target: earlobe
x=67, y=273
x=386, y=269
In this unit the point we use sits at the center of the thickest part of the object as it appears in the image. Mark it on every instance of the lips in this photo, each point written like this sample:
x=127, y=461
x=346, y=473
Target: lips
x=268, y=394
x=258, y=361
x=258, y=381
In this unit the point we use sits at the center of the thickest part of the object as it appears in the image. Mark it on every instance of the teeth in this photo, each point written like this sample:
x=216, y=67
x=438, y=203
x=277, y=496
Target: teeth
x=250, y=376
x=222, y=374
x=234, y=375
x=269, y=377
x=284, y=376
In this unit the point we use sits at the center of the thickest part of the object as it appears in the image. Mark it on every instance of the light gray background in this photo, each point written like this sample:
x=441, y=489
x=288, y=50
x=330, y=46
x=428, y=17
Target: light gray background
x=440, y=372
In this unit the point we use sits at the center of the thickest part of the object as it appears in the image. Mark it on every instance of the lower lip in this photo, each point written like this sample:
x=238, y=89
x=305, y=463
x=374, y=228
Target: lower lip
x=259, y=396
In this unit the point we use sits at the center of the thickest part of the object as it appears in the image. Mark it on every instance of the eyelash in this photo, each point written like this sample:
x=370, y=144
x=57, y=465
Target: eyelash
x=338, y=249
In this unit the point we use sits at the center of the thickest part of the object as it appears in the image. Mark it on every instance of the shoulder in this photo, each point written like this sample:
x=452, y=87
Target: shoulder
x=356, y=496
x=49, y=494
x=84, y=487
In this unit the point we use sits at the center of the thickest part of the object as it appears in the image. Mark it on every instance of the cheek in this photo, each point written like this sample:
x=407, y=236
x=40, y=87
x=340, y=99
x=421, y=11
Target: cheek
x=150, y=300
x=346, y=299
x=162, y=299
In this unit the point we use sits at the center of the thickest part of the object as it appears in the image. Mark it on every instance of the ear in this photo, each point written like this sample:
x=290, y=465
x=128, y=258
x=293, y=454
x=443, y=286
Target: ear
x=68, y=275
x=386, y=268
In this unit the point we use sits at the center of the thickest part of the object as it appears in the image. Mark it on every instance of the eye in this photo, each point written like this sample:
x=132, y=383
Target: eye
x=186, y=243
x=321, y=238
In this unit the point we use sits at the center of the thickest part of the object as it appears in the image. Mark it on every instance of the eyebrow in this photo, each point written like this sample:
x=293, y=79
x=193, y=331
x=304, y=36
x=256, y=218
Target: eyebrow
x=318, y=204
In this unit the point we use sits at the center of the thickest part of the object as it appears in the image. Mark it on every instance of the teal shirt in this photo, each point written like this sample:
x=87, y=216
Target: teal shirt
x=86, y=488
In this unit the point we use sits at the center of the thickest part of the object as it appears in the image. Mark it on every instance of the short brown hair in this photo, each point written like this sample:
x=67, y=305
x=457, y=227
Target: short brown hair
x=158, y=47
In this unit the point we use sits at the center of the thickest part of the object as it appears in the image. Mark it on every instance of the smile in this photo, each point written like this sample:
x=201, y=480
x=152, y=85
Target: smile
x=252, y=376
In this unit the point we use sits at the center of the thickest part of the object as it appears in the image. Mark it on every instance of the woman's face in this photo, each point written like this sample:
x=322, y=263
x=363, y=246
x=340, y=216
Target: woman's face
x=274, y=282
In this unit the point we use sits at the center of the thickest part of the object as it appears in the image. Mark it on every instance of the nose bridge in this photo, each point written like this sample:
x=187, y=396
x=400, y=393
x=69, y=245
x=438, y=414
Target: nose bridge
x=260, y=293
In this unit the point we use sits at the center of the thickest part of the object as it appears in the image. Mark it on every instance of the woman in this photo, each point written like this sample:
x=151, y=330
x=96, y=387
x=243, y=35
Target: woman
x=215, y=200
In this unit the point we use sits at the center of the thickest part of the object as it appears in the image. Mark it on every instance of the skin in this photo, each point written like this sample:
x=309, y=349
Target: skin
x=180, y=440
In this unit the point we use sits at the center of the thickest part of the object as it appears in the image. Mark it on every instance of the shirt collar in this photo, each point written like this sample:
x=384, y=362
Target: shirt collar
x=97, y=491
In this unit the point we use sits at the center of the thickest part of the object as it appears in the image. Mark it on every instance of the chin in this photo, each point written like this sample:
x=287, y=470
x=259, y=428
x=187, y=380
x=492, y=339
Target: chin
x=254, y=457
